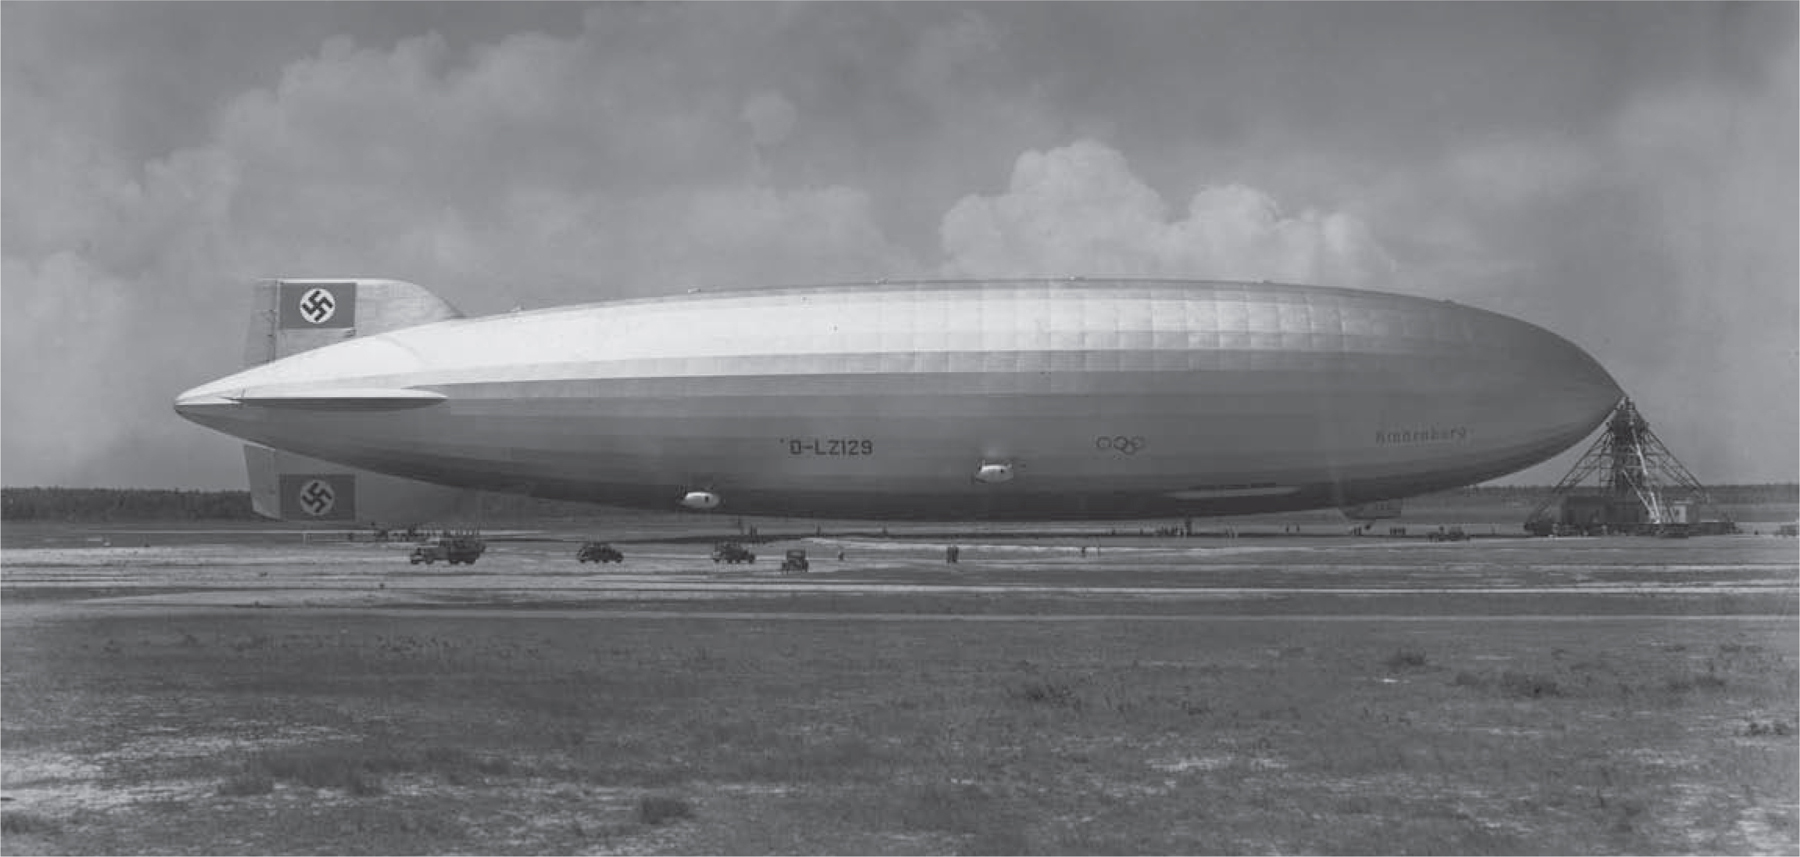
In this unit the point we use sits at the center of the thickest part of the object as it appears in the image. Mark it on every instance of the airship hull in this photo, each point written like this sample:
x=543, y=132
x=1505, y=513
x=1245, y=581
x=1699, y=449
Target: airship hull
x=1096, y=399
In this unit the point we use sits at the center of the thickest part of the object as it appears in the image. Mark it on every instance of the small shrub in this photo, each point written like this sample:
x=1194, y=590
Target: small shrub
x=461, y=767
x=1464, y=678
x=252, y=781
x=1405, y=659
x=326, y=769
x=1528, y=685
x=22, y=823
x=1688, y=683
x=965, y=808
x=1776, y=728
x=361, y=784
x=656, y=810
x=1010, y=840
x=319, y=769
x=1055, y=694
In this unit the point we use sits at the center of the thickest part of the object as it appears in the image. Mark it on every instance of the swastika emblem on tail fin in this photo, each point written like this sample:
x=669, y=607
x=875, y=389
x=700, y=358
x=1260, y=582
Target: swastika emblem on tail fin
x=317, y=498
x=313, y=305
x=317, y=306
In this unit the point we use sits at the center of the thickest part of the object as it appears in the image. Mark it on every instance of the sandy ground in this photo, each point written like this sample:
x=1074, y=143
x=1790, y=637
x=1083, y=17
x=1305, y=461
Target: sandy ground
x=335, y=573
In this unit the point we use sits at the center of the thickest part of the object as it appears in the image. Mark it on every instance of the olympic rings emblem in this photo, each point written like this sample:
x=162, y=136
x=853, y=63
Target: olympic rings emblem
x=1120, y=443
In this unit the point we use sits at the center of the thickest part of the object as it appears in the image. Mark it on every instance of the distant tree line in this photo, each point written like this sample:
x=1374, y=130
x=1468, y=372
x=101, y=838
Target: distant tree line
x=139, y=504
x=123, y=504
x=1772, y=493
x=1769, y=492
x=518, y=507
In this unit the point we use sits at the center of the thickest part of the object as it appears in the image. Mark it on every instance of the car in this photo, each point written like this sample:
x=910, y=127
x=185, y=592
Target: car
x=795, y=562
x=732, y=553
x=599, y=552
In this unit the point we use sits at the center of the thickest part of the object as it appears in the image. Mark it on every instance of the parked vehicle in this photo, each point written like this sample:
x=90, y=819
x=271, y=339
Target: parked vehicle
x=598, y=552
x=732, y=552
x=461, y=549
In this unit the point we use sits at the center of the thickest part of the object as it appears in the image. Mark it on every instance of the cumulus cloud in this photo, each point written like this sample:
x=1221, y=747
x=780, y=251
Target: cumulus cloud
x=749, y=235
x=1521, y=170
x=663, y=146
x=73, y=373
x=771, y=117
x=1079, y=210
x=536, y=170
x=1660, y=236
x=947, y=52
x=1719, y=170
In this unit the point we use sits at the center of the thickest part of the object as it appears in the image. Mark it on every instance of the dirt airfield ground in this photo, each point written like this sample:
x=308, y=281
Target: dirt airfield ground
x=239, y=690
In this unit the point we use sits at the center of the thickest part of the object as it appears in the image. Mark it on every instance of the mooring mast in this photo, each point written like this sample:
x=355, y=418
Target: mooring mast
x=1637, y=473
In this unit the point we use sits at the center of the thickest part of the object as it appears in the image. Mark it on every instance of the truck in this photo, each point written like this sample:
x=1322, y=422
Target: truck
x=460, y=549
x=795, y=562
x=732, y=553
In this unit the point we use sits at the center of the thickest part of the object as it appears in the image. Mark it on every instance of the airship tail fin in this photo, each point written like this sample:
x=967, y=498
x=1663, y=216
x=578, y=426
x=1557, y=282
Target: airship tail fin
x=290, y=487
x=291, y=316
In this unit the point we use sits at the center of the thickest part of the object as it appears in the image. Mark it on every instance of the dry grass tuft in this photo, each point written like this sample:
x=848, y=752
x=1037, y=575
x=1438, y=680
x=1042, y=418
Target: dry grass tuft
x=357, y=771
x=1532, y=685
x=27, y=823
x=657, y=810
x=1773, y=728
x=1519, y=685
x=252, y=781
x=1054, y=693
x=1406, y=658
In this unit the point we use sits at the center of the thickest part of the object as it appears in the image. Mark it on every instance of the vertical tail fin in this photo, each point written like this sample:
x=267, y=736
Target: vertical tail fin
x=291, y=316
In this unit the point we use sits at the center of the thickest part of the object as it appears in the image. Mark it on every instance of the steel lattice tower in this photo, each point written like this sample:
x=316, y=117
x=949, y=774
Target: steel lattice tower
x=1632, y=464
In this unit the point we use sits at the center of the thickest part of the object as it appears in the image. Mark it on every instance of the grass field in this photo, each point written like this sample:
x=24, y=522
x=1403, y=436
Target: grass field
x=959, y=723
x=423, y=735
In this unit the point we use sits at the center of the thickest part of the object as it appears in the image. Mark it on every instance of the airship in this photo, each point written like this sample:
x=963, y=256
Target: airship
x=1030, y=399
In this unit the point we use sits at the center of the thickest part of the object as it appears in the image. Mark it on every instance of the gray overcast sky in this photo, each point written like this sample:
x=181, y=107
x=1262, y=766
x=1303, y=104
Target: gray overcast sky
x=1624, y=174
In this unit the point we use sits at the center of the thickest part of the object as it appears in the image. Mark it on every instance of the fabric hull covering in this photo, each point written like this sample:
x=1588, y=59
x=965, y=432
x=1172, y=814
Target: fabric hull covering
x=1106, y=398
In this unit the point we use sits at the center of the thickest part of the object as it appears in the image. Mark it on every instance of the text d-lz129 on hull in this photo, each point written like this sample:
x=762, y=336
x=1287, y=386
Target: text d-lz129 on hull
x=946, y=400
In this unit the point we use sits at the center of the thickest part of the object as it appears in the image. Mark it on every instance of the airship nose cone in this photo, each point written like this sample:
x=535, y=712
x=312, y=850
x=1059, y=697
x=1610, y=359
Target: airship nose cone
x=1592, y=383
x=1604, y=390
x=1570, y=389
x=205, y=405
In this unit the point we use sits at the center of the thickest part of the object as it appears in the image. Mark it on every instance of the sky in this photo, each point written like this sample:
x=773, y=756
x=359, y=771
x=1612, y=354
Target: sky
x=1624, y=174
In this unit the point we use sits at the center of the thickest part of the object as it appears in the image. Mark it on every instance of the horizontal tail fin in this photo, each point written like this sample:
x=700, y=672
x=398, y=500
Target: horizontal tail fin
x=290, y=487
x=291, y=316
x=339, y=398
